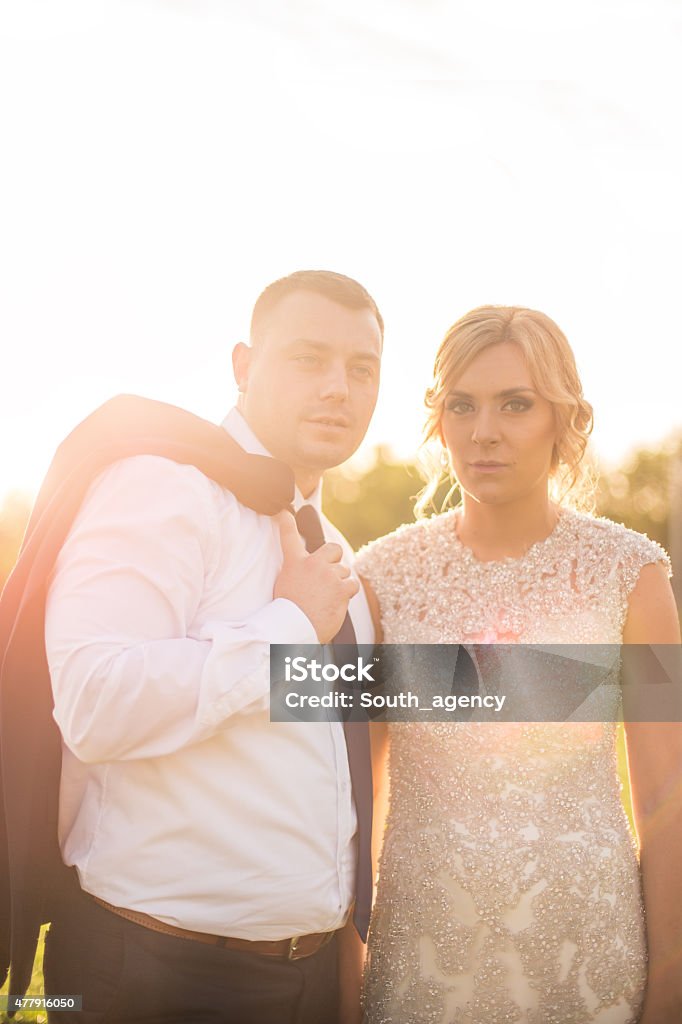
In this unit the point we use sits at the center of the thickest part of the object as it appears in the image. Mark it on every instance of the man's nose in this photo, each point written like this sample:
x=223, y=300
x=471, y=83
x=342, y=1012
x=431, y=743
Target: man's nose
x=486, y=429
x=334, y=384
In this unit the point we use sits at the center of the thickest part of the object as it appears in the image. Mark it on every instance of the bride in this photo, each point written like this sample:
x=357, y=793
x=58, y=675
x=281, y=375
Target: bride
x=510, y=889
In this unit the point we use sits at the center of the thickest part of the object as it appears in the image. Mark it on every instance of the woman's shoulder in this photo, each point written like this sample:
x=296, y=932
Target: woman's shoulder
x=406, y=546
x=605, y=539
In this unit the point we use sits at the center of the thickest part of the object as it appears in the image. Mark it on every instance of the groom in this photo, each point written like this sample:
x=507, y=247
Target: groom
x=216, y=852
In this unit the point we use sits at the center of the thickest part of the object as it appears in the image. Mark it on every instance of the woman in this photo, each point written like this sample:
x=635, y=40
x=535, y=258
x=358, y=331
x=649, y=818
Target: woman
x=509, y=885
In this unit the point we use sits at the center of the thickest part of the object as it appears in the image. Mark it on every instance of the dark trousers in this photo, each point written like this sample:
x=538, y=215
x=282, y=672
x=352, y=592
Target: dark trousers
x=128, y=974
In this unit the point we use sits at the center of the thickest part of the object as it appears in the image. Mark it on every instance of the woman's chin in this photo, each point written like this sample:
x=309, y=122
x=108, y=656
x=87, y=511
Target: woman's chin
x=489, y=492
x=499, y=497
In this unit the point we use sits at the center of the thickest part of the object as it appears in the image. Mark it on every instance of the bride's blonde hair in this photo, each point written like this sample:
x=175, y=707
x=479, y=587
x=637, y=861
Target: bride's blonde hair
x=552, y=366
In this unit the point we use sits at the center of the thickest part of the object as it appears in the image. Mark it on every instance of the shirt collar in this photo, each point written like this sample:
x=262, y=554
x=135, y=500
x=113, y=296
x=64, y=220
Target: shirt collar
x=237, y=427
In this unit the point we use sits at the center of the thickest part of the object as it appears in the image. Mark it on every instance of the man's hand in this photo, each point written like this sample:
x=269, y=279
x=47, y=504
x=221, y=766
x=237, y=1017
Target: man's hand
x=319, y=583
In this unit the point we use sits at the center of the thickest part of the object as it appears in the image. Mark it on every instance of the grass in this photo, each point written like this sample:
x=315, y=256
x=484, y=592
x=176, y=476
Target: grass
x=35, y=988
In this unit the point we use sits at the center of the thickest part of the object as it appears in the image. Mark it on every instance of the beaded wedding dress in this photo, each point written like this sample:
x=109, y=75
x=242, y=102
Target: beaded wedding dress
x=509, y=886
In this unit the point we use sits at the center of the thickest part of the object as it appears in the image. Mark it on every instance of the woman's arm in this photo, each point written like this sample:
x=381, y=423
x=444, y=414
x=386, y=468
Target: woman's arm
x=654, y=752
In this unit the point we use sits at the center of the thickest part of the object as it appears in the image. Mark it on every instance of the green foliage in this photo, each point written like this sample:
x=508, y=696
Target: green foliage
x=370, y=504
x=637, y=493
x=36, y=988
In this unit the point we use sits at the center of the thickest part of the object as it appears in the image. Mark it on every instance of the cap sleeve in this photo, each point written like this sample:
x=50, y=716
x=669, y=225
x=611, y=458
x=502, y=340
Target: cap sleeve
x=634, y=555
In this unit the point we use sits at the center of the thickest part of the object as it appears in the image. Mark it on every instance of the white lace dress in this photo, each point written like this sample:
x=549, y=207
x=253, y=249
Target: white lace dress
x=509, y=887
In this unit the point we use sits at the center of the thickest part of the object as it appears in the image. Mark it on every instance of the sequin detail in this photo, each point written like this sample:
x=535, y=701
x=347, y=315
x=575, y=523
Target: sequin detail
x=509, y=887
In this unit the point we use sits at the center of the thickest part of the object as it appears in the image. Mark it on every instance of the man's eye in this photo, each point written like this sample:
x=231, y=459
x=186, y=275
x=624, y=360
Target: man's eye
x=363, y=371
x=306, y=360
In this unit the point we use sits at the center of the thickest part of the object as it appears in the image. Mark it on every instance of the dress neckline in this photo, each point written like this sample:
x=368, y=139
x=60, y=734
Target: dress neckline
x=538, y=547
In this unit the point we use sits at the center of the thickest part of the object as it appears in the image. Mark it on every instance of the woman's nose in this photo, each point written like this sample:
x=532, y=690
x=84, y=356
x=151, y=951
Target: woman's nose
x=486, y=428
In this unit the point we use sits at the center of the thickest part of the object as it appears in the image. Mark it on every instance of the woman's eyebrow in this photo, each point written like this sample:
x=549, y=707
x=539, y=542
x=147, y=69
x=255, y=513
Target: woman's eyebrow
x=500, y=394
x=515, y=391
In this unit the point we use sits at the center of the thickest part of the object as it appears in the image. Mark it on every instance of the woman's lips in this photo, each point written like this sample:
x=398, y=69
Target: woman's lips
x=488, y=467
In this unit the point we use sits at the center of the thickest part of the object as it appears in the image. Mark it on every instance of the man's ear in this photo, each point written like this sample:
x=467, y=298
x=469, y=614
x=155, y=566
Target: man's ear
x=241, y=361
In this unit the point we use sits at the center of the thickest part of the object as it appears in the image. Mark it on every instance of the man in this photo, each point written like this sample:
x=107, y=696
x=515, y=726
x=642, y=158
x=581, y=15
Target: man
x=215, y=851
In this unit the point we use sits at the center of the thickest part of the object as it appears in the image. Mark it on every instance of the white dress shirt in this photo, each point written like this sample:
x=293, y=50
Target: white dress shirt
x=179, y=797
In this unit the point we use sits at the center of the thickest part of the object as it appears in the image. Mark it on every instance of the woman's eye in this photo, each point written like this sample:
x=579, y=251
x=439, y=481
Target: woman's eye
x=518, y=405
x=458, y=406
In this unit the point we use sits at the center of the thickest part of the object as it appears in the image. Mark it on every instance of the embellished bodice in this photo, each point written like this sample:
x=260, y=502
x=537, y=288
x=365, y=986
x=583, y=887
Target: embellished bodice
x=571, y=587
x=509, y=886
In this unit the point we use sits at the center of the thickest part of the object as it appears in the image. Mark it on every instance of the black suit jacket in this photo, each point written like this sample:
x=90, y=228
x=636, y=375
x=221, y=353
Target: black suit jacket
x=32, y=874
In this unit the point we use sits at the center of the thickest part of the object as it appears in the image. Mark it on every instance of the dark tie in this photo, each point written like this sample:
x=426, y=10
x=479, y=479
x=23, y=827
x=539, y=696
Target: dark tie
x=357, y=746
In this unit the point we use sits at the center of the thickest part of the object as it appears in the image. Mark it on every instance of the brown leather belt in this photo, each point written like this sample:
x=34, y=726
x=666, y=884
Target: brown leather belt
x=287, y=949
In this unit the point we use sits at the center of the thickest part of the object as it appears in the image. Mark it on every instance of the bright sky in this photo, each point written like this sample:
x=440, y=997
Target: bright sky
x=163, y=161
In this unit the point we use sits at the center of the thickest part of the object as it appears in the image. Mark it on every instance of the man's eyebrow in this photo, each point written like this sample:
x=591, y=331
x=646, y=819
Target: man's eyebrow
x=370, y=357
x=500, y=394
x=323, y=346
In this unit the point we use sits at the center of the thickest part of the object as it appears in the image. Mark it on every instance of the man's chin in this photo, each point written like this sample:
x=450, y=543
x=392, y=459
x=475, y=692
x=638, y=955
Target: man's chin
x=324, y=455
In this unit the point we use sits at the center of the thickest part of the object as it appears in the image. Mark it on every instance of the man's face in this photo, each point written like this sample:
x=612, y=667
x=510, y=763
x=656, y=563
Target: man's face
x=310, y=383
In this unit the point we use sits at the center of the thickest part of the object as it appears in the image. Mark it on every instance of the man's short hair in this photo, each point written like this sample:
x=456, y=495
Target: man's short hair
x=337, y=287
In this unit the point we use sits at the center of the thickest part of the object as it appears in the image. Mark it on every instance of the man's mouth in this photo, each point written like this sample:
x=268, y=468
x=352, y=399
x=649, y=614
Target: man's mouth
x=330, y=421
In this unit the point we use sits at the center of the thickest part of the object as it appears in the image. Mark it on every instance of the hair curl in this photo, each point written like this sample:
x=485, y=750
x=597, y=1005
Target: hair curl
x=552, y=366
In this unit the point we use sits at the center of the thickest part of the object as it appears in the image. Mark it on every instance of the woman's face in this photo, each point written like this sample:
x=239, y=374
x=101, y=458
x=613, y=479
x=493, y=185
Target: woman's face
x=499, y=431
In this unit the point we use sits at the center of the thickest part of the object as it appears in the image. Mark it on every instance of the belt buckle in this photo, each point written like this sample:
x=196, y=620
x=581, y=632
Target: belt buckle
x=292, y=953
